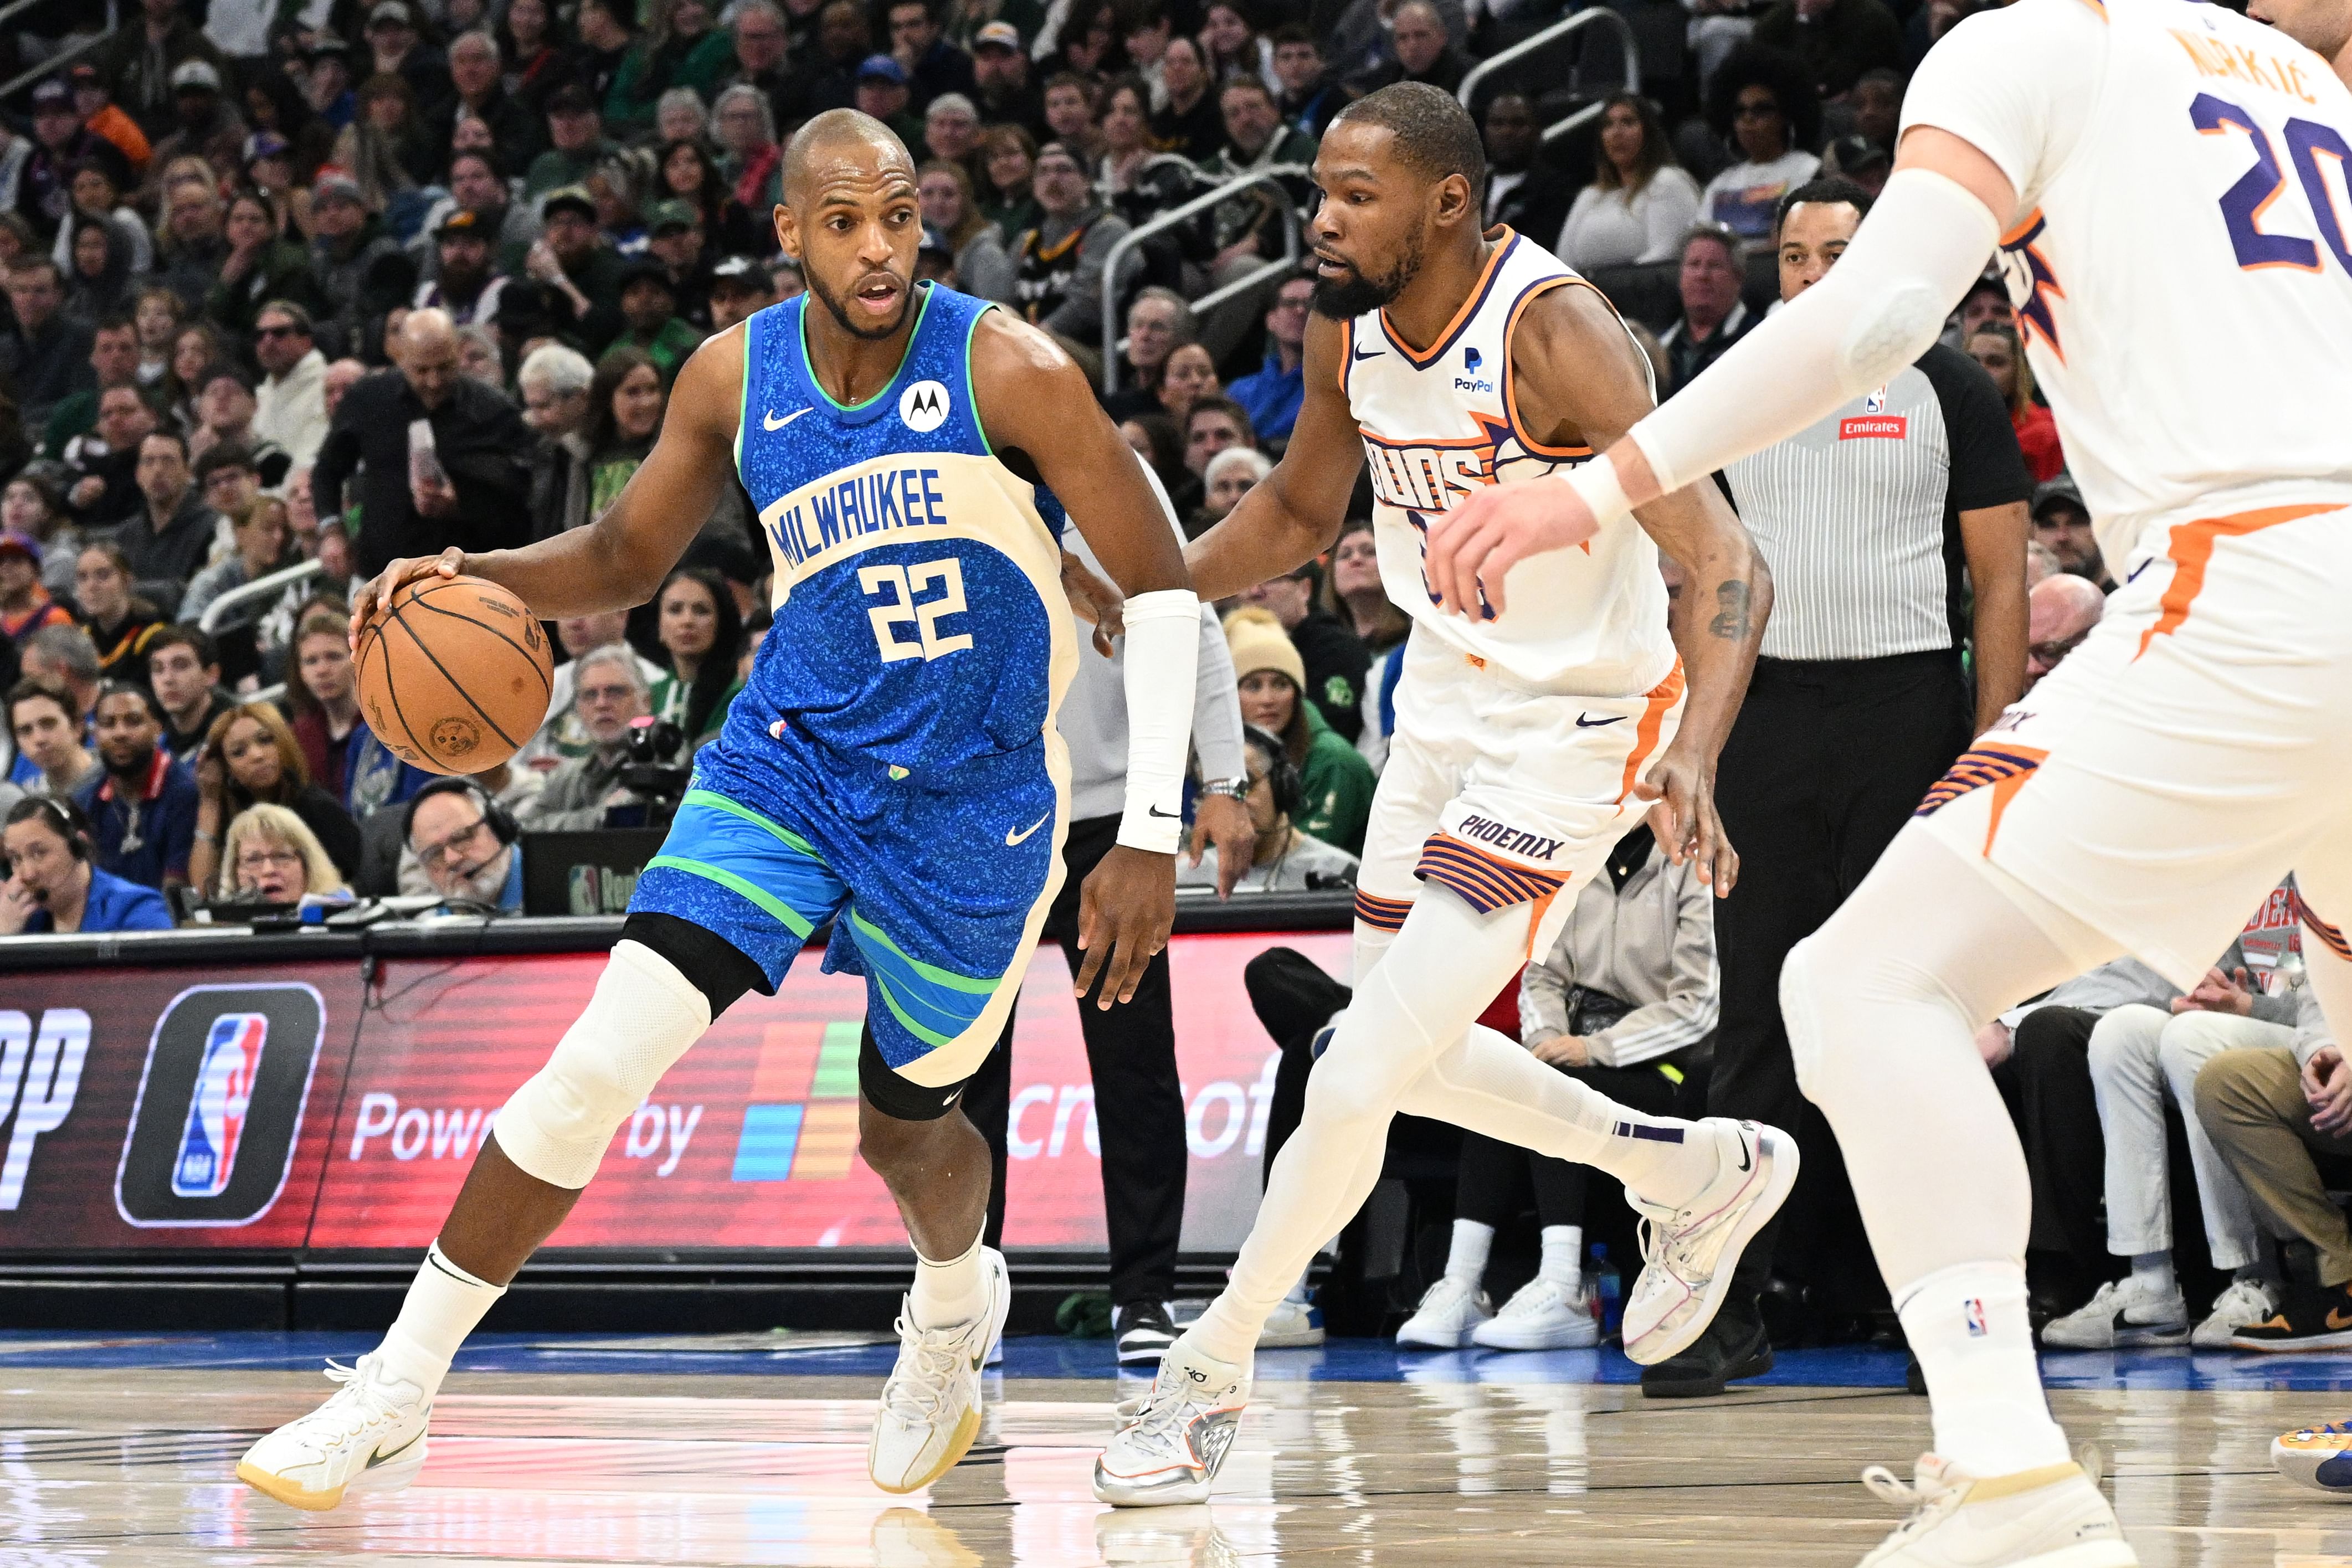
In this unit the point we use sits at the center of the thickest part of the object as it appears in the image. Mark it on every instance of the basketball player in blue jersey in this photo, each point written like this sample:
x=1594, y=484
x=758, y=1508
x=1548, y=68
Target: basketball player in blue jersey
x=891, y=768
x=1529, y=740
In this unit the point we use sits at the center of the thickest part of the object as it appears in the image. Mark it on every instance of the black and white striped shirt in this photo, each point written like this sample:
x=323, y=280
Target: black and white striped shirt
x=1858, y=516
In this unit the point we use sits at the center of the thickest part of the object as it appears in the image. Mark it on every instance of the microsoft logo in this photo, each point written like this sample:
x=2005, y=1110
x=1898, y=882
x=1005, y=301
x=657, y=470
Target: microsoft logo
x=801, y=1123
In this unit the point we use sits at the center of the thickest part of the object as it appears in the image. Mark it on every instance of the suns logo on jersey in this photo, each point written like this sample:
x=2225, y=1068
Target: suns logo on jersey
x=2032, y=285
x=1433, y=476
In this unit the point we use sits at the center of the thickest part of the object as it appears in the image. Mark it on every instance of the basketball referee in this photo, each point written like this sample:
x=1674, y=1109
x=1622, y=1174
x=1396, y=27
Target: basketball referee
x=1896, y=531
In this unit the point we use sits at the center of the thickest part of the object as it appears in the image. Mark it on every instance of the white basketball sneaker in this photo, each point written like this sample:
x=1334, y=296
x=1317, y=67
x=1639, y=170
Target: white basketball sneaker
x=369, y=1437
x=1171, y=1442
x=2054, y=1517
x=2245, y=1302
x=1542, y=1314
x=1689, y=1253
x=2122, y=1314
x=1449, y=1310
x=931, y=1407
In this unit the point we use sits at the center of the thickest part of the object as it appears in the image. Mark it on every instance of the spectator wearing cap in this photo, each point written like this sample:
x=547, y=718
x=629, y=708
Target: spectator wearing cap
x=168, y=539
x=581, y=273
x=481, y=500
x=43, y=353
x=101, y=464
x=224, y=408
x=463, y=282
x=740, y=286
x=104, y=119
x=114, y=360
x=138, y=62
x=1271, y=395
x=1058, y=266
x=289, y=409
x=60, y=141
x=933, y=66
x=676, y=237
x=1985, y=303
x=262, y=265
x=1861, y=159
x=142, y=810
x=575, y=141
x=519, y=135
x=2062, y=525
x=883, y=92
x=652, y=326
x=25, y=606
x=360, y=267
x=207, y=125
x=396, y=46
x=1336, y=782
x=1001, y=86
x=328, y=86
x=1836, y=40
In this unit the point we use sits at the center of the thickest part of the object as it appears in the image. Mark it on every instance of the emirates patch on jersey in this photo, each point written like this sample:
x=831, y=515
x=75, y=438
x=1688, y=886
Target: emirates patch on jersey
x=1874, y=427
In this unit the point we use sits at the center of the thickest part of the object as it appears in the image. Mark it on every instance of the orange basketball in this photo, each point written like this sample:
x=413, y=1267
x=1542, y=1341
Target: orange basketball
x=457, y=678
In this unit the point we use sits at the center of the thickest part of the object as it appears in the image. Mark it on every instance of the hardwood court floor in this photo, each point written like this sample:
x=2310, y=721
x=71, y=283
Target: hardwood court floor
x=130, y=1463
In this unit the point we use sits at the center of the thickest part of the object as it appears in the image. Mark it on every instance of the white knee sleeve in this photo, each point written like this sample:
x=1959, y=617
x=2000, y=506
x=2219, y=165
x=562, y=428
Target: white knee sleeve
x=643, y=1016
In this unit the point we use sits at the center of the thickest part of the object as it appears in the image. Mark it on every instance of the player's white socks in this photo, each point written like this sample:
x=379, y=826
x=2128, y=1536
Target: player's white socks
x=443, y=1306
x=949, y=1293
x=1968, y=1326
x=1466, y=1259
x=2152, y=1273
x=1563, y=1255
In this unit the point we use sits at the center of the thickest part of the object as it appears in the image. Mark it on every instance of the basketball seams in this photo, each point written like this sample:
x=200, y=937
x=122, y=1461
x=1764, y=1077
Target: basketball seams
x=435, y=660
x=391, y=693
x=416, y=598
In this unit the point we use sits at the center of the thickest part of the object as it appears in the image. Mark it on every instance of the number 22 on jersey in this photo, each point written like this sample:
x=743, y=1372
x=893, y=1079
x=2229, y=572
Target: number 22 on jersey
x=2322, y=161
x=898, y=586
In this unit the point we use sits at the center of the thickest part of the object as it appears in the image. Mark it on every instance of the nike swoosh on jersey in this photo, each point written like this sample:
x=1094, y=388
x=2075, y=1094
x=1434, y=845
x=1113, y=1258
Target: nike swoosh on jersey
x=1586, y=721
x=1012, y=838
x=770, y=422
x=1361, y=355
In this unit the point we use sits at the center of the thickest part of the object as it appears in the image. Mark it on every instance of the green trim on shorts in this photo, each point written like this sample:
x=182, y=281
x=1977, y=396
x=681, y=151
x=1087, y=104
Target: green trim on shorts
x=929, y=1036
x=930, y=972
x=791, y=918
x=736, y=808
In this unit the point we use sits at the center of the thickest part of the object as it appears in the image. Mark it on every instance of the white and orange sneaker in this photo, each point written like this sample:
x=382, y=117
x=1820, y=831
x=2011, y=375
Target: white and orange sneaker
x=2054, y=1517
x=1689, y=1253
x=1171, y=1442
x=369, y=1437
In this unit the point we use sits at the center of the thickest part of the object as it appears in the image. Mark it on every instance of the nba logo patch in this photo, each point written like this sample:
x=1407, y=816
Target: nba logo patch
x=1972, y=1312
x=1875, y=403
x=217, y=1111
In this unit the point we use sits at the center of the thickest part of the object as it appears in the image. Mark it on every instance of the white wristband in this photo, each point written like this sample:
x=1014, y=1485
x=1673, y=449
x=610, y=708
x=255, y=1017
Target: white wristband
x=1596, y=483
x=1161, y=665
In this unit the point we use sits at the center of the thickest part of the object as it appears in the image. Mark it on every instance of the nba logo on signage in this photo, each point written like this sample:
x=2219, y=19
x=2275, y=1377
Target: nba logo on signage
x=220, y=1105
x=217, y=1114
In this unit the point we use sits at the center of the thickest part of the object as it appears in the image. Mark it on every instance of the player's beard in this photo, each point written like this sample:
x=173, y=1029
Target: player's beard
x=832, y=302
x=1344, y=300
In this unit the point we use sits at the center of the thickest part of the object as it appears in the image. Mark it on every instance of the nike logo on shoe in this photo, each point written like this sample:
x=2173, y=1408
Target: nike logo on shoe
x=770, y=422
x=1586, y=721
x=1012, y=838
x=1746, y=1161
x=383, y=1459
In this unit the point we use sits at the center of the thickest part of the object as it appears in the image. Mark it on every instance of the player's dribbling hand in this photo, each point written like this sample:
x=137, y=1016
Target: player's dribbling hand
x=1476, y=544
x=375, y=599
x=1125, y=910
x=1683, y=819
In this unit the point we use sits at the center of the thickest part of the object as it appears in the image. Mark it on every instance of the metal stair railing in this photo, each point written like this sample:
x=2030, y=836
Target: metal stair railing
x=1270, y=177
x=1597, y=15
x=217, y=613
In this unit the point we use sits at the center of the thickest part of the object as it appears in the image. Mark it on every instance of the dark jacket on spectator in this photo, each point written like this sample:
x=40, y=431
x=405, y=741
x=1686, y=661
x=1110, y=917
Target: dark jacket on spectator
x=43, y=187
x=371, y=277
x=46, y=366
x=1336, y=662
x=220, y=141
x=88, y=457
x=943, y=68
x=161, y=563
x=139, y=75
x=1538, y=205
x=282, y=272
x=517, y=131
x=1445, y=72
x=190, y=270
x=1851, y=37
x=483, y=444
x=1198, y=134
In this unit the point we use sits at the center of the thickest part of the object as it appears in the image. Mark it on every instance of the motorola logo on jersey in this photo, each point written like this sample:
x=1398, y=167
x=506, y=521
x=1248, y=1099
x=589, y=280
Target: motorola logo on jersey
x=220, y=1105
x=923, y=407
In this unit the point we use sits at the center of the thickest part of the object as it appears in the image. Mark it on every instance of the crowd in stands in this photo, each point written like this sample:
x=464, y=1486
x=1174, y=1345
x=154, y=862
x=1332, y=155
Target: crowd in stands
x=294, y=289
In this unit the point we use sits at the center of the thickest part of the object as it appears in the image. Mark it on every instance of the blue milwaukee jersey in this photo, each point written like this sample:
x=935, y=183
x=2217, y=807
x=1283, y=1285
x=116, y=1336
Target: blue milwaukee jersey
x=919, y=619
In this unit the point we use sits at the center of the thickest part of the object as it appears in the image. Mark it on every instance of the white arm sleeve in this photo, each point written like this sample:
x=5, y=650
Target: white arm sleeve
x=1878, y=310
x=1163, y=668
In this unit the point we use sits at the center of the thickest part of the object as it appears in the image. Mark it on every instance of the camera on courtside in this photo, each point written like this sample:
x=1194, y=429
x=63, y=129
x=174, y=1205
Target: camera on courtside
x=653, y=774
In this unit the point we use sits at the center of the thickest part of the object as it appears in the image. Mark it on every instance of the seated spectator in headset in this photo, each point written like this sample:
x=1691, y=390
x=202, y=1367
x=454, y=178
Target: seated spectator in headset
x=1286, y=858
x=273, y=857
x=1336, y=782
x=1625, y=1001
x=53, y=888
x=464, y=845
x=609, y=690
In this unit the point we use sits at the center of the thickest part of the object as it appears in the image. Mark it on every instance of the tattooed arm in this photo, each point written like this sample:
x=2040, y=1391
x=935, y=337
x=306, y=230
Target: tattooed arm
x=1580, y=382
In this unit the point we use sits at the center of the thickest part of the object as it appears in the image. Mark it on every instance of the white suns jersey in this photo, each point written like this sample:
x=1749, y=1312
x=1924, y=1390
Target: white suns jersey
x=1437, y=424
x=2182, y=265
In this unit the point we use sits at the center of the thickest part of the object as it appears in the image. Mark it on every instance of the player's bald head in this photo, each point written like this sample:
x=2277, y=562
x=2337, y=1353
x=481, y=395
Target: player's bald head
x=841, y=146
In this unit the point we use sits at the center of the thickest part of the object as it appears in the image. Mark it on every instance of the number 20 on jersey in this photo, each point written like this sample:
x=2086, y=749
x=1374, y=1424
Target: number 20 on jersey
x=2321, y=161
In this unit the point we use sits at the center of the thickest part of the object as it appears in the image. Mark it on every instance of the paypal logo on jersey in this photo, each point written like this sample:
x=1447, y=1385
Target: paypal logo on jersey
x=854, y=507
x=1471, y=381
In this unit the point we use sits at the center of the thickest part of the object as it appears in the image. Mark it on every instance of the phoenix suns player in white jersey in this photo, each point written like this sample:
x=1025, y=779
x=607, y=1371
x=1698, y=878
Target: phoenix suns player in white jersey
x=2165, y=183
x=1527, y=744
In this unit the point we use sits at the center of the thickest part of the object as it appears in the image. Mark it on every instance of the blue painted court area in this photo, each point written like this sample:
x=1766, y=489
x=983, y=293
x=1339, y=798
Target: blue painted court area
x=1041, y=1356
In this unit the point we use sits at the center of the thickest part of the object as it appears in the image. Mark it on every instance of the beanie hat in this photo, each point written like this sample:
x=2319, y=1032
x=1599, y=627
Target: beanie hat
x=1257, y=642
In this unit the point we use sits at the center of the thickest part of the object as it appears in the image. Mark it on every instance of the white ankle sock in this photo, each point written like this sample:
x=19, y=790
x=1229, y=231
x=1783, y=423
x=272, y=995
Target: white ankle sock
x=947, y=1293
x=1466, y=1259
x=2152, y=1273
x=1968, y=1328
x=1563, y=1255
x=443, y=1306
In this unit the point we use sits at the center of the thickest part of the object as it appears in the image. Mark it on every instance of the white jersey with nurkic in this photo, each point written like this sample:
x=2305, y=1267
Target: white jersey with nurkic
x=2180, y=258
x=1439, y=422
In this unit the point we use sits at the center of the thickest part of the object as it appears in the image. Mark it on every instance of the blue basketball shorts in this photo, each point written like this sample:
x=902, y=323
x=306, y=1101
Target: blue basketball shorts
x=935, y=887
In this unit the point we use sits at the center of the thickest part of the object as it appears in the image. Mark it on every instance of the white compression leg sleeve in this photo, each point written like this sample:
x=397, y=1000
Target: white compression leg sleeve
x=1883, y=1004
x=643, y=1016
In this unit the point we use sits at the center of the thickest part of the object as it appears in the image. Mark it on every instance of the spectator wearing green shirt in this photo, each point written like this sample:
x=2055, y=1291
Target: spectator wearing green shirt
x=576, y=142
x=1336, y=782
x=649, y=307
